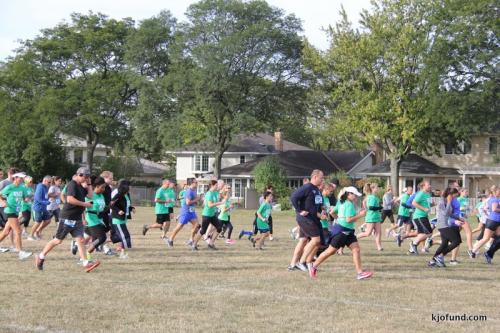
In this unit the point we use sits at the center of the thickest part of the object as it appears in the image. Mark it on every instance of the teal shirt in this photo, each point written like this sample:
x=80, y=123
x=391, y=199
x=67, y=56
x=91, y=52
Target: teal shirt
x=181, y=197
x=373, y=216
x=224, y=213
x=210, y=211
x=403, y=211
x=265, y=211
x=161, y=207
x=326, y=206
x=170, y=195
x=423, y=199
x=27, y=204
x=15, y=196
x=346, y=209
x=92, y=213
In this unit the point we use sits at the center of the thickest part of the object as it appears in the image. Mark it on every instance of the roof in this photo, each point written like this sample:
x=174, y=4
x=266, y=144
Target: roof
x=346, y=160
x=411, y=164
x=260, y=143
x=151, y=168
x=71, y=141
x=295, y=163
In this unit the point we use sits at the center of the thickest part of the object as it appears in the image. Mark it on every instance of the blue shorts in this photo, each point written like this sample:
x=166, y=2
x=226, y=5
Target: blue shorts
x=41, y=216
x=263, y=231
x=186, y=218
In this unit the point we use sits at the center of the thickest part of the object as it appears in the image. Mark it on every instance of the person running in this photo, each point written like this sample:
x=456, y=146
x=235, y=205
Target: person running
x=373, y=217
x=404, y=215
x=95, y=225
x=40, y=203
x=263, y=214
x=307, y=201
x=4, y=183
x=448, y=224
x=269, y=188
x=27, y=205
x=54, y=207
x=387, y=202
x=422, y=204
x=465, y=210
x=224, y=215
x=12, y=197
x=162, y=210
x=326, y=213
x=343, y=234
x=105, y=215
x=209, y=216
x=492, y=228
x=481, y=215
x=187, y=215
x=71, y=219
x=121, y=208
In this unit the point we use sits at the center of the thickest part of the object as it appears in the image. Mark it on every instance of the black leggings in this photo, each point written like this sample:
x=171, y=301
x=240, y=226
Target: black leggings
x=206, y=221
x=449, y=235
x=98, y=234
x=227, y=225
x=25, y=220
x=494, y=246
x=269, y=221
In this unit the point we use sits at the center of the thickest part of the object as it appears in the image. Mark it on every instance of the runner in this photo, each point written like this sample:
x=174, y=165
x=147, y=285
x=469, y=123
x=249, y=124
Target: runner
x=225, y=215
x=40, y=203
x=404, y=215
x=121, y=208
x=71, y=219
x=12, y=197
x=492, y=230
x=209, y=216
x=373, y=217
x=422, y=204
x=95, y=225
x=55, y=198
x=162, y=210
x=27, y=203
x=387, y=201
x=343, y=234
x=263, y=214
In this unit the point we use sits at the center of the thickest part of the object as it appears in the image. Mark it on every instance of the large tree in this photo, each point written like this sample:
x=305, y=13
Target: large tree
x=238, y=68
x=389, y=82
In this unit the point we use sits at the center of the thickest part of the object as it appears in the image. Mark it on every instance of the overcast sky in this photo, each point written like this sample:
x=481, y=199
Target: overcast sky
x=23, y=19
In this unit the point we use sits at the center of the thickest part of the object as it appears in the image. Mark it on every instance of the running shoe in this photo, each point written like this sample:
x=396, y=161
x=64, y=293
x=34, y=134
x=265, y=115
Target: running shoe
x=39, y=263
x=80, y=262
x=170, y=243
x=4, y=249
x=123, y=255
x=399, y=240
x=31, y=238
x=144, y=229
x=431, y=263
x=91, y=265
x=230, y=241
x=189, y=242
x=74, y=247
x=428, y=244
x=242, y=232
x=110, y=252
x=454, y=262
x=364, y=275
x=291, y=268
x=413, y=248
x=13, y=250
x=194, y=248
x=487, y=258
x=253, y=241
x=302, y=266
x=24, y=254
x=471, y=254
x=439, y=261
x=313, y=272
x=212, y=247
x=271, y=238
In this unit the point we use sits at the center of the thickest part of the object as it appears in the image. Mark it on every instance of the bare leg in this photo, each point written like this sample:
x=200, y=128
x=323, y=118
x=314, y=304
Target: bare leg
x=356, y=257
x=299, y=248
x=324, y=255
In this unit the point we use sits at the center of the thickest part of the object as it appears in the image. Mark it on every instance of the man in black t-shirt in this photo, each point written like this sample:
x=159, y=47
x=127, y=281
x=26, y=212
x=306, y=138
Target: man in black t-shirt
x=71, y=218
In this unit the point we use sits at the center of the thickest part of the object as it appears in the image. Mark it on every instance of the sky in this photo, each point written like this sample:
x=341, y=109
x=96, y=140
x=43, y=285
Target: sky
x=23, y=19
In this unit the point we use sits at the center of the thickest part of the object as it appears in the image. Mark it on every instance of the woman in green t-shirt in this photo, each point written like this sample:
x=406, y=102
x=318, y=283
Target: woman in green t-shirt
x=95, y=225
x=209, y=217
x=373, y=218
x=343, y=233
x=27, y=203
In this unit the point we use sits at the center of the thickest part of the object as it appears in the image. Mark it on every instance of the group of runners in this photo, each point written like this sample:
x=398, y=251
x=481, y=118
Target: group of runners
x=94, y=215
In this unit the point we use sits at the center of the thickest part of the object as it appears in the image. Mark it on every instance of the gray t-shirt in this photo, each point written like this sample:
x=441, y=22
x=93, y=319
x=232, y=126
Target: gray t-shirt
x=4, y=183
x=387, y=201
x=443, y=212
x=54, y=202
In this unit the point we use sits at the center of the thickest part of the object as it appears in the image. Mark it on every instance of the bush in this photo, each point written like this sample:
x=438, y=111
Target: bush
x=269, y=172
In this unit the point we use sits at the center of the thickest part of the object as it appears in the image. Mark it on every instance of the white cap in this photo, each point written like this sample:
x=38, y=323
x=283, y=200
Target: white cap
x=353, y=190
x=19, y=174
x=404, y=190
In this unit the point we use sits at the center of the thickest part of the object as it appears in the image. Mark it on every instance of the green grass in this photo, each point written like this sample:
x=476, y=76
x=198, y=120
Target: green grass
x=238, y=289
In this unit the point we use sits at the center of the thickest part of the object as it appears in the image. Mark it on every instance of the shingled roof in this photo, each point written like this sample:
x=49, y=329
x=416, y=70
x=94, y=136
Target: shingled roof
x=411, y=164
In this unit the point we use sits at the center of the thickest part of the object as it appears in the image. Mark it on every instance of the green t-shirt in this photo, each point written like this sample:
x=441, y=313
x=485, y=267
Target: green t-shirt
x=161, y=207
x=224, y=213
x=326, y=206
x=210, y=196
x=479, y=205
x=423, y=199
x=92, y=213
x=170, y=195
x=346, y=209
x=15, y=196
x=27, y=204
x=403, y=211
x=464, y=203
x=181, y=197
x=265, y=211
x=373, y=215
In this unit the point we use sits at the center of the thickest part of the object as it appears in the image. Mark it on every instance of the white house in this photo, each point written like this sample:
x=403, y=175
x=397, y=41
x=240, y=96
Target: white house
x=76, y=149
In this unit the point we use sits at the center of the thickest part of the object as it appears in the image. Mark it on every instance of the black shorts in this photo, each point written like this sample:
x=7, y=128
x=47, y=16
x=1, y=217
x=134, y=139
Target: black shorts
x=63, y=229
x=387, y=214
x=25, y=220
x=96, y=232
x=162, y=218
x=207, y=220
x=12, y=215
x=308, y=228
x=492, y=225
x=422, y=225
x=170, y=210
x=341, y=239
x=402, y=220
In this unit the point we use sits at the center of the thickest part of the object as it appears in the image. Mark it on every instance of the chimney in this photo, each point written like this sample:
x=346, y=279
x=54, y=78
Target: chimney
x=278, y=141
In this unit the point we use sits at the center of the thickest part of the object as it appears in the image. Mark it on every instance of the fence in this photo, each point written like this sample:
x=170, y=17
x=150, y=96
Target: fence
x=142, y=196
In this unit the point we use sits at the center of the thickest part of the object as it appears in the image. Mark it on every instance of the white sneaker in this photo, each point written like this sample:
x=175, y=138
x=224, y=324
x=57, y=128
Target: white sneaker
x=24, y=234
x=24, y=254
x=80, y=262
x=271, y=238
x=13, y=250
x=123, y=255
x=4, y=249
x=30, y=238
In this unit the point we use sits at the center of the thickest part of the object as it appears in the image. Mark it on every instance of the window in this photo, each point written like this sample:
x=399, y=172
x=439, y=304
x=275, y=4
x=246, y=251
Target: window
x=78, y=156
x=242, y=159
x=493, y=146
x=202, y=188
x=294, y=183
x=448, y=148
x=201, y=163
x=464, y=147
x=238, y=189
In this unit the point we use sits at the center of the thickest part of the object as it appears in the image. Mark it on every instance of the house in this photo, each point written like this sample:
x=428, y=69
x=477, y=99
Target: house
x=239, y=161
x=76, y=149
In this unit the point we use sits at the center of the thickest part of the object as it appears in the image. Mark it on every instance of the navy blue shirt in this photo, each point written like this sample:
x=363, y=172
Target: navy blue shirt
x=41, y=199
x=309, y=198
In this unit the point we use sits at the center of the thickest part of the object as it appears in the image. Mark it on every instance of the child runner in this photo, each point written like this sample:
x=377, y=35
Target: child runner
x=404, y=215
x=263, y=214
x=95, y=225
x=387, y=202
x=209, y=216
x=71, y=219
x=225, y=212
x=326, y=212
x=120, y=213
x=12, y=197
x=343, y=234
x=373, y=217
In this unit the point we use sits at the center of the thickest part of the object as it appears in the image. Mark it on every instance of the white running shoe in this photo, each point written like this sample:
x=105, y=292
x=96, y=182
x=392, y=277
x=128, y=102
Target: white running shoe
x=24, y=254
x=31, y=238
x=123, y=255
x=4, y=249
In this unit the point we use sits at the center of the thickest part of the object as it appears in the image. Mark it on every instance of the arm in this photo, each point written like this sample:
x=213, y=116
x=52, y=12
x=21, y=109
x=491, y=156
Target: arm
x=75, y=202
x=495, y=207
x=39, y=196
x=351, y=219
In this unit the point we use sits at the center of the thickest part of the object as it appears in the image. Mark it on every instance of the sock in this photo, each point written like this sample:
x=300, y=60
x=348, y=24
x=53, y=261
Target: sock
x=85, y=262
x=41, y=256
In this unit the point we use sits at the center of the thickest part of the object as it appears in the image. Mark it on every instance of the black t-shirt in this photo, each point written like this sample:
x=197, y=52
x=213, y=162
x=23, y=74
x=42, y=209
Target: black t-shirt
x=72, y=212
x=107, y=194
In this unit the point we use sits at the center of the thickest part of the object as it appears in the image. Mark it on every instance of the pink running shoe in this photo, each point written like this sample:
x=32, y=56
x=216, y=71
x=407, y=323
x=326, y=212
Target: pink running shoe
x=364, y=275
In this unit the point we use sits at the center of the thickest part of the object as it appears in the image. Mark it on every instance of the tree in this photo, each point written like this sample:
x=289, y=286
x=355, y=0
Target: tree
x=269, y=172
x=238, y=63
x=388, y=82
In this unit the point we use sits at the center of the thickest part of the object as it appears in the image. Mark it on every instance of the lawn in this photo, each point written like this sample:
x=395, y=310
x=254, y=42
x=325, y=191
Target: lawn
x=238, y=289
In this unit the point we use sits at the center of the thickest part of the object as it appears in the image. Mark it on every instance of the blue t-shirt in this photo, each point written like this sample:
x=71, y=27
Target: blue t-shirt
x=493, y=216
x=455, y=211
x=41, y=199
x=191, y=195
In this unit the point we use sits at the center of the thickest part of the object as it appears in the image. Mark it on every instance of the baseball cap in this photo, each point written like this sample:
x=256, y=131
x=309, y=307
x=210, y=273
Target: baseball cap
x=353, y=190
x=83, y=171
x=19, y=174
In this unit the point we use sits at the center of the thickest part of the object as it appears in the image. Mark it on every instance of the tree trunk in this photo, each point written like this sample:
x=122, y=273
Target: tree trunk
x=91, y=146
x=395, y=164
x=218, y=161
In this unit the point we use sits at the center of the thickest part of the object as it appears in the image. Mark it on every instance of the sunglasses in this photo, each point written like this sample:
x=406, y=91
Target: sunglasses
x=83, y=175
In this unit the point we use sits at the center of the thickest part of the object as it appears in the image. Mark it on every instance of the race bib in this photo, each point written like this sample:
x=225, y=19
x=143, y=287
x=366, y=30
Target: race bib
x=70, y=223
x=318, y=199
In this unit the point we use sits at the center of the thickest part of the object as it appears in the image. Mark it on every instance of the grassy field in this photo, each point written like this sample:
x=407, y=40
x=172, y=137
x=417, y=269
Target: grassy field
x=238, y=289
